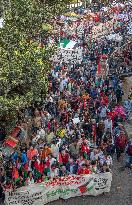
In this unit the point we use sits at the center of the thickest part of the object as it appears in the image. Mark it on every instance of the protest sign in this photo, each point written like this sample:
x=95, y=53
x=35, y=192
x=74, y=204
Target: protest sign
x=63, y=187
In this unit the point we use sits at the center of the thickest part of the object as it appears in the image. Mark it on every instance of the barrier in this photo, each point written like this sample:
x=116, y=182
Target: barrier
x=63, y=187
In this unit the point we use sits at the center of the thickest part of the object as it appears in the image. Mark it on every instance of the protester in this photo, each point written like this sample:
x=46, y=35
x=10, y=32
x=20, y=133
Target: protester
x=120, y=144
x=2, y=195
x=128, y=159
x=75, y=129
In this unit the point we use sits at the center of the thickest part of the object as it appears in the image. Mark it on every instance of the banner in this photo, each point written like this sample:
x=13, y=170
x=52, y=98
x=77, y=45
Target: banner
x=63, y=187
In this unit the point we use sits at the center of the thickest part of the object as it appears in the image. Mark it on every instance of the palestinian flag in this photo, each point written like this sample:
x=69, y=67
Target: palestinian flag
x=67, y=44
x=15, y=175
x=25, y=168
x=37, y=169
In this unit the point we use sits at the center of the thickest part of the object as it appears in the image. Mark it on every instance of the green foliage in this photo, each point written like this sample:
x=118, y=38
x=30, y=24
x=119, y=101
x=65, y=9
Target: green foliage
x=75, y=1
x=24, y=63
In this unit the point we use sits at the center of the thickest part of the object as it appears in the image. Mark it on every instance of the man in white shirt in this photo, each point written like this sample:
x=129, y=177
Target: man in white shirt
x=55, y=150
x=61, y=85
x=108, y=124
x=103, y=111
x=35, y=139
x=41, y=132
x=54, y=172
x=94, y=155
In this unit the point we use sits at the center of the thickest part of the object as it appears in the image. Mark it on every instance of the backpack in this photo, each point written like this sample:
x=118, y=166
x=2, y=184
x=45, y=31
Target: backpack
x=129, y=150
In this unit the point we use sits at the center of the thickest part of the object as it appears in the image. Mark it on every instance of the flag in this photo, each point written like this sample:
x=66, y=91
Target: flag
x=99, y=69
x=67, y=44
x=11, y=142
x=15, y=175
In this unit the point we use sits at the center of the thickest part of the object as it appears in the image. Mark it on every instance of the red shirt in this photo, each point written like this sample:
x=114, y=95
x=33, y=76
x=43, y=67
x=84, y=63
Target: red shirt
x=121, y=142
x=39, y=167
x=105, y=100
x=84, y=171
x=112, y=115
x=65, y=158
x=85, y=149
x=31, y=153
x=26, y=166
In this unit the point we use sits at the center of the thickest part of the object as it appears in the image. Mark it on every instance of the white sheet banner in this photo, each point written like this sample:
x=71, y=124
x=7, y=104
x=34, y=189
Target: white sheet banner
x=64, y=187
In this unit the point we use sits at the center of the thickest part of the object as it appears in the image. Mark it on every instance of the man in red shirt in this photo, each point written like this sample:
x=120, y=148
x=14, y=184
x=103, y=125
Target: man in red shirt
x=120, y=144
x=65, y=157
x=85, y=150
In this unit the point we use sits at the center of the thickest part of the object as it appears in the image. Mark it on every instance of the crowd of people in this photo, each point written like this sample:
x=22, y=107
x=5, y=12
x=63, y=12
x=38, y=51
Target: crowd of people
x=76, y=129
x=123, y=64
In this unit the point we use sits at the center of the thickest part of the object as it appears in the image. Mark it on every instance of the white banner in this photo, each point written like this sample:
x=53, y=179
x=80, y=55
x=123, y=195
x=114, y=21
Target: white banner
x=64, y=187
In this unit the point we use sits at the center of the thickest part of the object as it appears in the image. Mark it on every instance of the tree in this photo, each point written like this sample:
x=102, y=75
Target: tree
x=24, y=63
